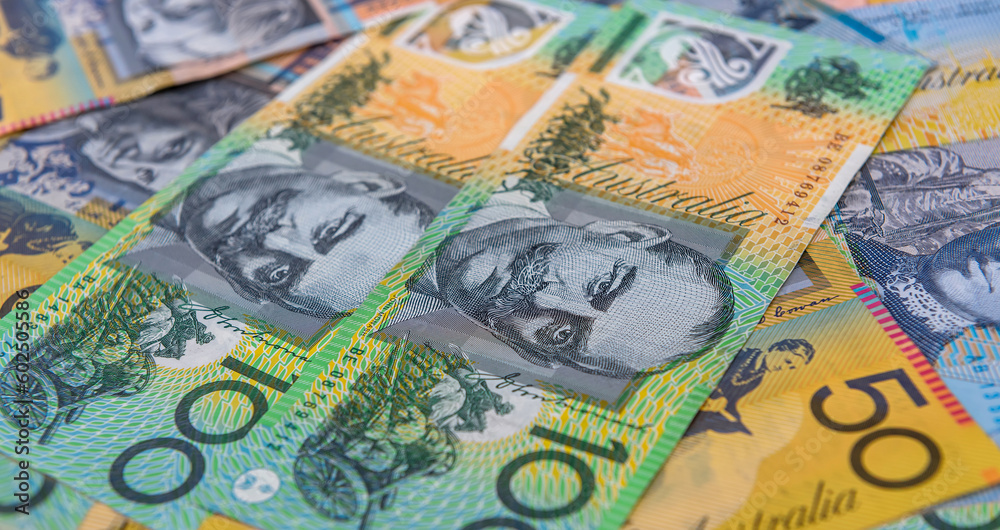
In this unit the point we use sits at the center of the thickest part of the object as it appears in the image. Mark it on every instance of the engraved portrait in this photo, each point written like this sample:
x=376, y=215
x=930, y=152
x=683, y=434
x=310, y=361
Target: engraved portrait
x=125, y=153
x=923, y=224
x=157, y=34
x=586, y=289
x=296, y=238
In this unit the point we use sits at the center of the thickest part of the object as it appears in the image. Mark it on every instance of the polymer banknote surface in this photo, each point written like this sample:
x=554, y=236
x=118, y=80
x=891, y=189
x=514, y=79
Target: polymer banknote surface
x=958, y=100
x=143, y=365
x=473, y=369
x=36, y=241
x=829, y=417
x=650, y=144
x=101, y=165
x=40, y=239
x=921, y=227
x=61, y=57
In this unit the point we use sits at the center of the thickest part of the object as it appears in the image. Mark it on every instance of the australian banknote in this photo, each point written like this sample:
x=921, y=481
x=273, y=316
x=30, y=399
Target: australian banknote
x=829, y=417
x=363, y=151
x=62, y=186
x=927, y=244
x=475, y=369
x=39, y=239
x=957, y=101
x=61, y=57
x=102, y=164
x=921, y=227
x=649, y=144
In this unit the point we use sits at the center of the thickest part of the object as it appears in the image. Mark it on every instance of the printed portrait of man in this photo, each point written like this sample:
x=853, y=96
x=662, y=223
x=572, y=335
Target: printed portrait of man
x=312, y=243
x=168, y=32
x=136, y=149
x=608, y=297
x=923, y=225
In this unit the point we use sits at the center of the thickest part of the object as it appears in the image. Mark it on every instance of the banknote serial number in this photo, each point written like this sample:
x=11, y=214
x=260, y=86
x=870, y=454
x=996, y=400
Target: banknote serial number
x=810, y=181
x=23, y=404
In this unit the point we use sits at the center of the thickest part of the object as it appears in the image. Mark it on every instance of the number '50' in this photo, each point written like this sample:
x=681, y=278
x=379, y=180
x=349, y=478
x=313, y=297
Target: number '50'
x=865, y=384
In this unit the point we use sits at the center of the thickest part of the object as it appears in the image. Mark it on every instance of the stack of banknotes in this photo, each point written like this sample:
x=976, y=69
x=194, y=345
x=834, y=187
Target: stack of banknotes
x=523, y=264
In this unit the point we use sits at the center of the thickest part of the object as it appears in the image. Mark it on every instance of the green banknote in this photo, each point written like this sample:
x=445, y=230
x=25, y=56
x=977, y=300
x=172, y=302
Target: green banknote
x=169, y=337
x=534, y=358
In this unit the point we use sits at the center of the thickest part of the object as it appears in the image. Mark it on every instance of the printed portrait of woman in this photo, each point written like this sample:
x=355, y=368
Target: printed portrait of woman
x=169, y=32
x=128, y=152
x=923, y=224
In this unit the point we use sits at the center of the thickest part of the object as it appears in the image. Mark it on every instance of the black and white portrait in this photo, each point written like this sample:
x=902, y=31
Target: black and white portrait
x=296, y=238
x=569, y=286
x=157, y=34
x=924, y=225
x=127, y=153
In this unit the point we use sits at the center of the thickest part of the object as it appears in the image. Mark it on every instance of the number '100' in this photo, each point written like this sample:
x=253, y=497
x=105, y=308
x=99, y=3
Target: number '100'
x=182, y=418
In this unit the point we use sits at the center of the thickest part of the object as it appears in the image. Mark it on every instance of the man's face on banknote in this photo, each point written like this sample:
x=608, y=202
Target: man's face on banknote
x=607, y=298
x=314, y=244
x=965, y=275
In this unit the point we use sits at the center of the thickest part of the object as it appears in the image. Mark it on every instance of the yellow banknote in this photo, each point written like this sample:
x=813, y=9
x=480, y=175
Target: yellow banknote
x=36, y=241
x=832, y=419
x=61, y=58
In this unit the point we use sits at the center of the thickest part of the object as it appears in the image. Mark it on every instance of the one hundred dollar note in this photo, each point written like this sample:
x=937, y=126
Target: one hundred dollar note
x=637, y=122
x=465, y=390
x=829, y=417
x=47, y=504
x=38, y=240
x=62, y=57
x=958, y=99
x=133, y=351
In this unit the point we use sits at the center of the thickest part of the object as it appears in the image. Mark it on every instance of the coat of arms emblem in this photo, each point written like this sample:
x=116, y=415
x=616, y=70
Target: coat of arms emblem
x=484, y=34
x=692, y=61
